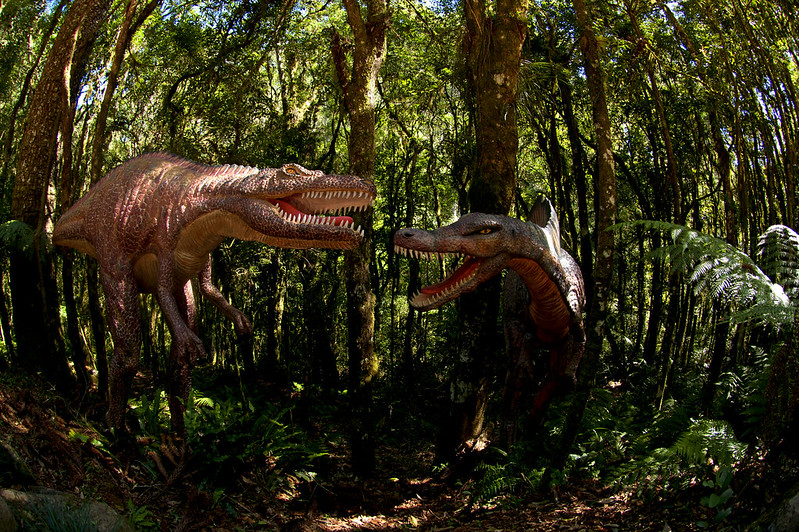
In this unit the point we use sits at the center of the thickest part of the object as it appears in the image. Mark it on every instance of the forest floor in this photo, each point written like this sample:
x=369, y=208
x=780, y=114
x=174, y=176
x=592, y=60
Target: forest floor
x=157, y=485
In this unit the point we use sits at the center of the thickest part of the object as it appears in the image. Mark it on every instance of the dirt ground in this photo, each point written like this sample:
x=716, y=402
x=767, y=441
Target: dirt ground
x=58, y=451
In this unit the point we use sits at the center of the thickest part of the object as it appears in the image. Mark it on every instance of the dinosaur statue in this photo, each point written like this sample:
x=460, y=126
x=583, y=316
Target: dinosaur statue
x=152, y=222
x=543, y=294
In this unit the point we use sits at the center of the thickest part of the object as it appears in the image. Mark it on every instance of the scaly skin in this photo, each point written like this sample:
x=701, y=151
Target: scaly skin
x=152, y=222
x=543, y=295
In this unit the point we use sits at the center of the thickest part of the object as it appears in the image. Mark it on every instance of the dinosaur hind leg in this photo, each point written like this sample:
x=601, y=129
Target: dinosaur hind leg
x=122, y=307
x=181, y=363
x=562, y=377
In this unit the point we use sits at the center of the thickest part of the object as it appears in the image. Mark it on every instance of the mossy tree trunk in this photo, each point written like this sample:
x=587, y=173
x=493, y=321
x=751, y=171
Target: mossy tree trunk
x=599, y=294
x=359, y=85
x=492, y=46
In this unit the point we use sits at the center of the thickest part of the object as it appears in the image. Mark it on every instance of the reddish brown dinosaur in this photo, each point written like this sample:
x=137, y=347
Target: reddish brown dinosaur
x=543, y=294
x=152, y=222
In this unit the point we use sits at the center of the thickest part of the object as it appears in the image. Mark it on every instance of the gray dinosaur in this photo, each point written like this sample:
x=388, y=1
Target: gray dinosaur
x=543, y=294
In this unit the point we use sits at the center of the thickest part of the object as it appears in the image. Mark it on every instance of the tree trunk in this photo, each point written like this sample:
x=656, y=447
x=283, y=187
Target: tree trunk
x=8, y=139
x=671, y=163
x=126, y=32
x=599, y=294
x=492, y=47
x=5, y=324
x=721, y=331
x=319, y=299
x=273, y=274
x=358, y=83
x=34, y=292
x=585, y=249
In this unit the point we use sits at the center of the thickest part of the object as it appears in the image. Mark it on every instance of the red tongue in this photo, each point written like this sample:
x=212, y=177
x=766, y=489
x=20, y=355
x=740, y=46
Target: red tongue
x=468, y=266
x=288, y=208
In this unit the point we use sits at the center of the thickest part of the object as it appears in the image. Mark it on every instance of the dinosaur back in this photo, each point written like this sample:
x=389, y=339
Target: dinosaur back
x=123, y=209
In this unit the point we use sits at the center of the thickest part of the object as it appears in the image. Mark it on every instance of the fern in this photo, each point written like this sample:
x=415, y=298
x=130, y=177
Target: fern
x=778, y=255
x=506, y=475
x=709, y=440
x=730, y=276
x=704, y=444
x=496, y=480
x=15, y=234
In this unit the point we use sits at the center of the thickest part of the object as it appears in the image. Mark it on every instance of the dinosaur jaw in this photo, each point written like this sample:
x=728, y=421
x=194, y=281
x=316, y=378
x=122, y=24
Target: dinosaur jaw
x=317, y=219
x=463, y=280
x=467, y=277
x=293, y=215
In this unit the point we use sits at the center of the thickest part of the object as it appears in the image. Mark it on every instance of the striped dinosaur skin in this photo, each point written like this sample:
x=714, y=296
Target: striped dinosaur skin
x=152, y=223
x=543, y=294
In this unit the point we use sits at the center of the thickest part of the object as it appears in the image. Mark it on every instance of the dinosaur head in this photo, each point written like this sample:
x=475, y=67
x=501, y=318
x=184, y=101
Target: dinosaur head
x=301, y=208
x=487, y=242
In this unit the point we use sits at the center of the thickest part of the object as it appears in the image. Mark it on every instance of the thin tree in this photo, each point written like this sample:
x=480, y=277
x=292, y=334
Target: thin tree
x=598, y=294
x=358, y=82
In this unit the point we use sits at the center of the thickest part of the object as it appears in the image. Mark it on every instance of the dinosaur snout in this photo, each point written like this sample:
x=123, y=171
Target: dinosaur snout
x=408, y=233
x=411, y=238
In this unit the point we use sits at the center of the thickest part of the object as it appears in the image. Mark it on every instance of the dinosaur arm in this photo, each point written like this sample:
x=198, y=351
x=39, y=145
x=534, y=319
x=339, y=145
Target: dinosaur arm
x=212, y=293
x=184, y=339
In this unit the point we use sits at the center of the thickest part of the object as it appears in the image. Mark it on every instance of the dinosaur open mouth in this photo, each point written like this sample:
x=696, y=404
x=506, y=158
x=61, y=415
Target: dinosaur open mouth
x=318, y=204
x=433, y=295
x=459, y=277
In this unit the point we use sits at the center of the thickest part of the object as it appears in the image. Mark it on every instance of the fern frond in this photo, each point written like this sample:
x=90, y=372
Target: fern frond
x=709, y=439
x=497, y=480
x=730, y=276
x=778, y=254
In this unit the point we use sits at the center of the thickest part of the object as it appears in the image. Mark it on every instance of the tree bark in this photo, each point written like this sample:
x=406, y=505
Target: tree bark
x=492, y=47
x=32, y=278
x=9, y=134
x=358, y=83
x=599, y=294
x=5, y=325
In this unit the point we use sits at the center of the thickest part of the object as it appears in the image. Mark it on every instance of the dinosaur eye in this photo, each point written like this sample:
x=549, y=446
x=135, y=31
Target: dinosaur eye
x=484, y=231
x=290, y=170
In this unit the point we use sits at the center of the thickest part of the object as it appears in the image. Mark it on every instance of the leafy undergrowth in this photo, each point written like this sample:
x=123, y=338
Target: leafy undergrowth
x=250, y=466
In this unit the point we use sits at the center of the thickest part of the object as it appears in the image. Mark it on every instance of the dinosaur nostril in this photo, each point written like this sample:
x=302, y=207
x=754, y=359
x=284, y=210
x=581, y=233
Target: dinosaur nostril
x=408, y=233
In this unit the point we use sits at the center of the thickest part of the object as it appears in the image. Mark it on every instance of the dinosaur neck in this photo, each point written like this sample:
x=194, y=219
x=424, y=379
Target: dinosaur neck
x=547, y=307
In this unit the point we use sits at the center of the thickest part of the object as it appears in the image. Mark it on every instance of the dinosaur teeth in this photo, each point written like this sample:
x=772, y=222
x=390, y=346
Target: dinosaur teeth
x=310, y=219
x=424, y=301
x=352, y=195
x=427, y=255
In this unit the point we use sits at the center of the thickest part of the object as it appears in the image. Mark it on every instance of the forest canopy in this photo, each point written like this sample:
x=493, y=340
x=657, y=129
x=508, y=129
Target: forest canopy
x=666, y=136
